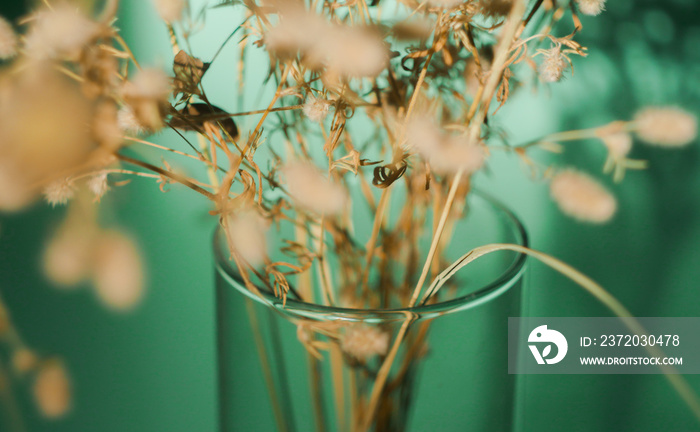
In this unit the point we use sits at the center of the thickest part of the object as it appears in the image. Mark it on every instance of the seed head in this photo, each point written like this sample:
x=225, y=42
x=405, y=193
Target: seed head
x=52, y=391
x=553, y=65
x=666, y=126
x=312, y=190
x=364, y=342
x=62, y=31
x=591, y=7
x=118, y=272
x=59, y=192
x=581, y=197
x=98, y=185
x=315, y=108
x=246, y=232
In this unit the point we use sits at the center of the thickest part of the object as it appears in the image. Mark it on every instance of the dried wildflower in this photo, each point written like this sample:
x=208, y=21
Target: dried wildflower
x=553, y=65
x=363, y=342
x=618, y=144
x=59, y=192
x=446, y=155
x=666, y=126
x=312, y=190
x=298, y=30
x=60, y=31
x=591, y=7
x=350, y=52
x=581, y=197
x=127, y=121
x=246, y=232
x=316, y=109
x=170, y=10
x=98, y=185
x=24, y=360
x=118, y=272
x=68, y=257
x=147, y=96
x=8, y=40
x=52, y=391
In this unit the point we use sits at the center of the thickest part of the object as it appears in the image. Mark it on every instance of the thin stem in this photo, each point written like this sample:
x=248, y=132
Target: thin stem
x=176, y=177
x=140, y=141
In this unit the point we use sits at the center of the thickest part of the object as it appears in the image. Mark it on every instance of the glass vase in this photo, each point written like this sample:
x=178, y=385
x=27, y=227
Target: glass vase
x=450, y=372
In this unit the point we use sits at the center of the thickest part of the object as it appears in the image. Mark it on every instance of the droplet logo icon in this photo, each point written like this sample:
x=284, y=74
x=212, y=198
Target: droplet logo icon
x=543, y=334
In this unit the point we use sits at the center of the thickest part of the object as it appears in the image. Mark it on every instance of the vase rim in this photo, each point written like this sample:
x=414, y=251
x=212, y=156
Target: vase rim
x=489, y=290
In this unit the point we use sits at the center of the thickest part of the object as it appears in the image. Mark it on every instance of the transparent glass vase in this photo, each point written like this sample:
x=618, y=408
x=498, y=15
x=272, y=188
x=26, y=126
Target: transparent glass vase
x=450, y=374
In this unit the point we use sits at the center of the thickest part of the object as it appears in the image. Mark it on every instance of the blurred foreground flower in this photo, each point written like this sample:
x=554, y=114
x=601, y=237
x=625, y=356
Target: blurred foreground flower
x=581, y=197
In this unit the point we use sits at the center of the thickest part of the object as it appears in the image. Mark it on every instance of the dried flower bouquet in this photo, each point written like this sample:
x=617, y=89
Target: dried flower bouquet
x=422, y=81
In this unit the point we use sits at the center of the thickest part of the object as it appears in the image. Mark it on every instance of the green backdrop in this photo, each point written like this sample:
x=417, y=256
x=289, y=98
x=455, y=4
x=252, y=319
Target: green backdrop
x=153, y=369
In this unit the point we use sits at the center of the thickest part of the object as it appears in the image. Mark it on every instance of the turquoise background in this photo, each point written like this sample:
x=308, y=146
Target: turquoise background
x=153, y=369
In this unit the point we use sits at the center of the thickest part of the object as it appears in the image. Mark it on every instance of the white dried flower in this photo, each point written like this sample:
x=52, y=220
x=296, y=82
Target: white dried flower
x=312, y=190
x=98, y=185
x=350, y=51
x=666, y=126
x=363, y=342
x=581, y=197
x=52, y=390
x=67, y=258
x=618, y=144
x=553, y=65
x=59, y=192
x=316, y=109
x=591, y=7
x=446, y=155
x=298, y=30
x=118, y=272
x=8, y=40
x=170, y=10
x=61, y=31
x=246, y=232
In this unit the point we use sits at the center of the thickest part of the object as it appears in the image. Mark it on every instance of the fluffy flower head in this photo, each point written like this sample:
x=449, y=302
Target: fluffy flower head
x=59, y=192
x=315, y=108
x=666, y=126
x=61, y=31
x=553, y=65
x=581, y=197
x=312, y=190
x=52, y=390
x=364, y=342
x=591, y=7
x=118, y=272
x=246, y=232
